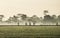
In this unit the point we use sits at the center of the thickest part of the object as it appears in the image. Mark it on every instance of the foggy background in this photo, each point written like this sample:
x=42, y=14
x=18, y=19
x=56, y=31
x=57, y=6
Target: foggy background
x=30, y=7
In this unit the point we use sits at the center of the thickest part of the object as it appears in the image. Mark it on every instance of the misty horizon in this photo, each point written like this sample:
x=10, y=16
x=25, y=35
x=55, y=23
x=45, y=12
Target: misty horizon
x=7, y=17
x=8, y=8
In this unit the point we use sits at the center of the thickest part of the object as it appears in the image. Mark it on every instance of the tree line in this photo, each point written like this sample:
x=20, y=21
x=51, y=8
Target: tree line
x=34, y=19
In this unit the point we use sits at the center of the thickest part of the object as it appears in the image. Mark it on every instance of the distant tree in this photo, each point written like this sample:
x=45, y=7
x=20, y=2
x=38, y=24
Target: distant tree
x=54, y=16
x=47, y=19
x=45, y=12
x=58, y=18
x=20, y=15
x=29, y=20
x=41, y=19
x=35, y=19
x=24, y=17
x=10, y=19
x=19, y=18
x=1, y=17
x=54, y=19
x=15, y=19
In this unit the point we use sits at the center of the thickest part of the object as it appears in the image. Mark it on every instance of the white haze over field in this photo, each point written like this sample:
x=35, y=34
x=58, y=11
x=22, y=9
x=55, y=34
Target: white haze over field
x=30, y=7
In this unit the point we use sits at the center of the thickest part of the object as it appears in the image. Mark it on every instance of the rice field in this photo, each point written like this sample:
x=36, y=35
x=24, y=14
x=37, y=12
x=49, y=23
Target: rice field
x=29, y=31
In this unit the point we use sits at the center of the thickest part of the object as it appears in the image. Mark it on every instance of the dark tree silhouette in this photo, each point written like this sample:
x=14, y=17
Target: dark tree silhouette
x=24, y=18
x=54, y=16
x=54, y=19
x=15, y=18
x=29, y=20
x=45, y=12
x=47, y=19
x=1, y=17
x=35, y=19
x=58, y=18
x=41, y=19
x=9, y=20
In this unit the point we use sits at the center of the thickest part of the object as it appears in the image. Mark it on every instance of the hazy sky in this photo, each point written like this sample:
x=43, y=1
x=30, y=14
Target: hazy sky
x=29, y=7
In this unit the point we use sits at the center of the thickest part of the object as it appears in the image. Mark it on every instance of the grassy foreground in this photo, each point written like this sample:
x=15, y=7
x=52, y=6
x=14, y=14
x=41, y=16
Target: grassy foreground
x=29, y=31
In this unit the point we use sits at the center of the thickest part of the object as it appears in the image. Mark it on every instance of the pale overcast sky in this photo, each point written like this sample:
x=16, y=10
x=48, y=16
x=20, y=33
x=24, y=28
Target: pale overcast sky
x=29, y=7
